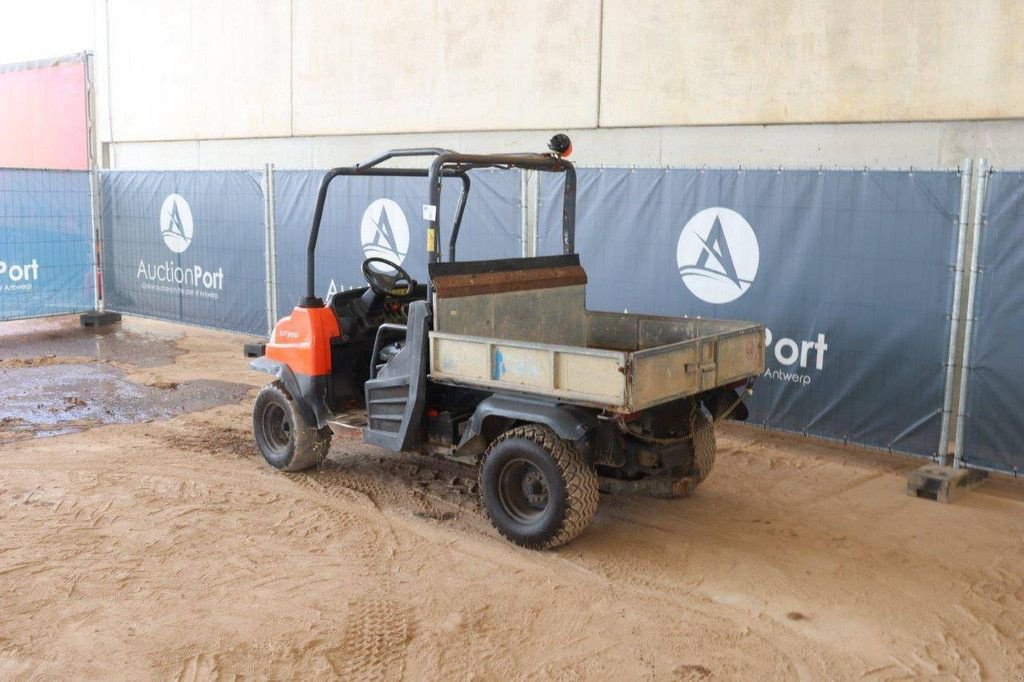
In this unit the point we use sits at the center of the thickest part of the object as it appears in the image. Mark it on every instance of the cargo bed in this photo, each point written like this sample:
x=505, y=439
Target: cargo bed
x=628, y=363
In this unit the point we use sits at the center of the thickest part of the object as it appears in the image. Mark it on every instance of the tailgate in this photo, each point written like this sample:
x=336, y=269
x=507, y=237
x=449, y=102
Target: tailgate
x=664, y=373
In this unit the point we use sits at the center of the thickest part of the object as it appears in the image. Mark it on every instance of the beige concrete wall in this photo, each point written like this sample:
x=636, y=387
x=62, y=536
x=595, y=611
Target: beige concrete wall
x=856, y=145
x=175, y=70
x=313, y=83
x=264, y=68
x=770, y=61
x=372, y=66
x=178, y=70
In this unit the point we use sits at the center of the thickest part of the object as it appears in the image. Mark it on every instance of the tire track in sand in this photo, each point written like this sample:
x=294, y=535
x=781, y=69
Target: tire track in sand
x=373, y=643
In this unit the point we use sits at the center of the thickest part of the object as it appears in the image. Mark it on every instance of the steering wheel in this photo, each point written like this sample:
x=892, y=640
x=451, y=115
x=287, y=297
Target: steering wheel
x=386, y=284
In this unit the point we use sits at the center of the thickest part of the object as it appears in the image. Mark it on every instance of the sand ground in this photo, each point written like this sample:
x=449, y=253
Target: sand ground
x=155, y=543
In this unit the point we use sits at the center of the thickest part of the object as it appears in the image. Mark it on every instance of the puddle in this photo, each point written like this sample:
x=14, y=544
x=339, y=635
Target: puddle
x=62, y=336
x=49, y=400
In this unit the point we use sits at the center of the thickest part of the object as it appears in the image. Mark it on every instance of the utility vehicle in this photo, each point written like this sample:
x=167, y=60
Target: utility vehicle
x=499, y=364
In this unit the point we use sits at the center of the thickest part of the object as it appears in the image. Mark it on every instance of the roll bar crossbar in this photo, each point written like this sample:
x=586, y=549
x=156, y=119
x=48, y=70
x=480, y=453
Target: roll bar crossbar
x=446, y=164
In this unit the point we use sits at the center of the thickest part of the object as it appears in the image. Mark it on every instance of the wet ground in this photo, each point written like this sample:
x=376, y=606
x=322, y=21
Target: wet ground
x=161, y=546
x=64, y=337
x=57, y=377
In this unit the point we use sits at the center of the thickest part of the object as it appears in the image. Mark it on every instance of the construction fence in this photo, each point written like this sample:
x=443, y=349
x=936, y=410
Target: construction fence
x=992, y=421
x=47, y=250
x=851, y=271
x=858, y=275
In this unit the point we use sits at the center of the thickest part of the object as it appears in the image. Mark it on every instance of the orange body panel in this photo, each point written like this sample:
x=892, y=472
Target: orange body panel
x=303, y=340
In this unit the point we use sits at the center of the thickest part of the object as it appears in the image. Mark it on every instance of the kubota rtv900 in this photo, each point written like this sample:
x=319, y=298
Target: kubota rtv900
x=498, y=363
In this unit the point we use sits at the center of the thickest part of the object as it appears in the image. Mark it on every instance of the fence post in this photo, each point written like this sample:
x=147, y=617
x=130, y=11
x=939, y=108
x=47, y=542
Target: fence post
x=965, y=371
x=942, y=454
x=269, y=251
x=98, y=316
x=528, y=200
x=97, y=240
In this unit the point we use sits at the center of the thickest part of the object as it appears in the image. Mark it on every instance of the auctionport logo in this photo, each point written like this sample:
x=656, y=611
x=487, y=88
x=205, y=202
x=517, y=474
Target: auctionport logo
x=385, y=231
x=176, y=223
x=177, y=231
x=18, y=276
x=717, y=255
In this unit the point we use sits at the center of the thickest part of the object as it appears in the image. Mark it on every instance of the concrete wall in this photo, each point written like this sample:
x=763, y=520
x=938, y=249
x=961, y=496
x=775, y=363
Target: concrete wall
x=766, y=61
x=399, y=66
x=180, y=70
x=312, y=83
x=885, y=145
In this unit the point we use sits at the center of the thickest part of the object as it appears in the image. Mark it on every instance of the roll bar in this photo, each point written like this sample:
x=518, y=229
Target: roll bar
x=446, y=164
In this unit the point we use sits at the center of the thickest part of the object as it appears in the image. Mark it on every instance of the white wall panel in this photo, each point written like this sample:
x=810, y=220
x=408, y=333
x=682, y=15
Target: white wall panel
x=769, y=61
x=287, y=152
x=367, y=66
x=182, y=155
x=186, y=70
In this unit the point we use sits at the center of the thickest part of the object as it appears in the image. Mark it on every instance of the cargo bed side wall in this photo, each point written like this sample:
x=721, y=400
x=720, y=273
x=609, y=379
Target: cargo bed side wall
x=628, y=331
x=554, y=315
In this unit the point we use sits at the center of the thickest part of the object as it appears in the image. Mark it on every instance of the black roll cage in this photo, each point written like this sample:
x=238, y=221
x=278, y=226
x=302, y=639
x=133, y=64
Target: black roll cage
x=446, y=164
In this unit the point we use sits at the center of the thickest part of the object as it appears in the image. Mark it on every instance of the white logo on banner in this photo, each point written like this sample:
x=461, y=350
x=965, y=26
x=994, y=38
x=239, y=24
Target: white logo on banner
x=170, y=277
x=18, y=276
x=176, y=223
x=717, y=255
x=385, y=231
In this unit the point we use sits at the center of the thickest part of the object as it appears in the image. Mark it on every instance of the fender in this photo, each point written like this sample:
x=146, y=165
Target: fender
x=303, y=392
x=568, y=422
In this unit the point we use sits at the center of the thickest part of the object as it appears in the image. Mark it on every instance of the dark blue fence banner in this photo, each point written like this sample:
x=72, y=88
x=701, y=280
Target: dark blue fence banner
x=46, y=247
x=994, y=427
x=851, y=271
x=383, y=217
x=186, y=246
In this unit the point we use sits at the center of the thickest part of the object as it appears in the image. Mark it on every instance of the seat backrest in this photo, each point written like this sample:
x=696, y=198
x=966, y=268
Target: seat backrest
x=526, y=299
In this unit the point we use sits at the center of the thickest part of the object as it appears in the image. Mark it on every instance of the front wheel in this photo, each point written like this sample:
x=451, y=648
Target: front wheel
x=537, y=489
x=283, y=436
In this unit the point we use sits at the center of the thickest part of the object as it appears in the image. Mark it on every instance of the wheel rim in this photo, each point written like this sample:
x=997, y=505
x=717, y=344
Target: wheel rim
x=277, y=428
x=523, y=491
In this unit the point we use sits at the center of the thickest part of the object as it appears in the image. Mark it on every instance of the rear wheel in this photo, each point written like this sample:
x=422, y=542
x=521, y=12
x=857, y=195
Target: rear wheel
x=284, y=438
x=702, y=441
x=537, y=489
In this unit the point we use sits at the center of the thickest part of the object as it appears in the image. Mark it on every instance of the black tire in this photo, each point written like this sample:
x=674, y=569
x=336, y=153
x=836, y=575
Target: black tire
x=702, y=431
x=537, y=489
x=283, y=436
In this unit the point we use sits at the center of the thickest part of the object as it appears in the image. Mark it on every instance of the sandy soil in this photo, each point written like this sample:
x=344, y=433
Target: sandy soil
x=167, y=549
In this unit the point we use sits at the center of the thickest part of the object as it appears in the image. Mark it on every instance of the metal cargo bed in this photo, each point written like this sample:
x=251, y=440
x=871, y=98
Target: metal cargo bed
x=628, y=363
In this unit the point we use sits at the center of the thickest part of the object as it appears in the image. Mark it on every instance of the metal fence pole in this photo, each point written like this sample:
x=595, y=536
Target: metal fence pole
x=972, y=294
x=524, y=227
x=942, y=454
x=269, y=255
x=531, y=182
x=96, y=207
x=88, y=63
x=273, y=247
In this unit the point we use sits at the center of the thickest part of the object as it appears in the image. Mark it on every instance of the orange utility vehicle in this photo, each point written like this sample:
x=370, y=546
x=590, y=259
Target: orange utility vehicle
x=499, y=364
